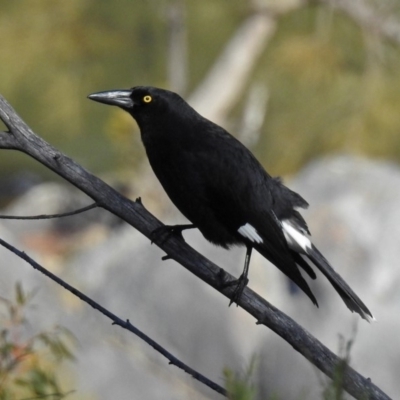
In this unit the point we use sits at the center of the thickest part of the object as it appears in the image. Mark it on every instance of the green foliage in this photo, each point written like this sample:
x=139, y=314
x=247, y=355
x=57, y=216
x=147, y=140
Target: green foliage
x=58, y=52
x=333, y=86
x=239, y=385
x=28, y=363
x=335, y=391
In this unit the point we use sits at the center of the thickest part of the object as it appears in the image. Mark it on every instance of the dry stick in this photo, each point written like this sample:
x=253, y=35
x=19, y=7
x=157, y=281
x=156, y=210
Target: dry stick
x=50, y=216
x=116, y=320
x=23, y=139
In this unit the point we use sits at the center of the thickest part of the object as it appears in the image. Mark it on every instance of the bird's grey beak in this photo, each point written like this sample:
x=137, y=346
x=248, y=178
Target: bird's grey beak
x=120, y=98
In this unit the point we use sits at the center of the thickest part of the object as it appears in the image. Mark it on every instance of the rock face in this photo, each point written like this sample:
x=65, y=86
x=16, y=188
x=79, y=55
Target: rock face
x=355, y=221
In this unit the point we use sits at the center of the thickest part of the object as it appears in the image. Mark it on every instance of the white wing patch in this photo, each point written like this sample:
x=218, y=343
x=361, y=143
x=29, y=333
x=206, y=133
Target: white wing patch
x=249, y=232
x=297, y=241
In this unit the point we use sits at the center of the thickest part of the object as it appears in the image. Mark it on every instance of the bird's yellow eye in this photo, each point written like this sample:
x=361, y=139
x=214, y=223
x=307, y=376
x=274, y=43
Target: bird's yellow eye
x=147, y=99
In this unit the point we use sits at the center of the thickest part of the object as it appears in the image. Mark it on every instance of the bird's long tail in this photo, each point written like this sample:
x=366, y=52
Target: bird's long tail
x=352, y=301
x=288, y=265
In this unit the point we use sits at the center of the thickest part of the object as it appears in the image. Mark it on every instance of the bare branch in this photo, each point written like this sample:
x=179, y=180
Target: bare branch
x=51, y=216
x=116, y=320
x=136, y=215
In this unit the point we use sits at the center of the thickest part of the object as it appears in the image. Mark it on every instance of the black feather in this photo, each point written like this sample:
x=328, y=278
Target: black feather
x=352, y=301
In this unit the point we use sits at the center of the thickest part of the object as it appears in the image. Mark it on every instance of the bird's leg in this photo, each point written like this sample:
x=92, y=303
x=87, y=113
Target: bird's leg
x=167, y=231
x=243, y=280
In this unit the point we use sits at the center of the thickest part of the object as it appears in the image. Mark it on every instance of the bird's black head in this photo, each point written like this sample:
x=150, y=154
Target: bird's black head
x=142, y=102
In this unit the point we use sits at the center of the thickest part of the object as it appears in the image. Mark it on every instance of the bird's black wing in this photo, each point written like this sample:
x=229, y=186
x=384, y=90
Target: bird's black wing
x=217, y=183
x=241, y=192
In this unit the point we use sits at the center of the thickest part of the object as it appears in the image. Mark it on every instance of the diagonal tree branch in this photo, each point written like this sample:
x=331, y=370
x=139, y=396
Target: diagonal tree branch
x=21, y=137
x=116, y=320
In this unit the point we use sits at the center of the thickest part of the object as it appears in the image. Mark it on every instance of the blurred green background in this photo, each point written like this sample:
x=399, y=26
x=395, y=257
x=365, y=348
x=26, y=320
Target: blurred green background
x=332, y=85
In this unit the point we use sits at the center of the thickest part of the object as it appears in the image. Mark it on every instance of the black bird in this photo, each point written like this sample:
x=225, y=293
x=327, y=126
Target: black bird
x=221, y=188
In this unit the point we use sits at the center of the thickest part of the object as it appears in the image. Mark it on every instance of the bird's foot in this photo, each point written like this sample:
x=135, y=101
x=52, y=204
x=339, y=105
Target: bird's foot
x=240, y=284
x=166, y=231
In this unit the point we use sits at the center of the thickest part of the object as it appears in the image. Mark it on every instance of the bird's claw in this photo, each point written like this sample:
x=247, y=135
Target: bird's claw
x=165, y=232
x=240, y=283
x=168, y=231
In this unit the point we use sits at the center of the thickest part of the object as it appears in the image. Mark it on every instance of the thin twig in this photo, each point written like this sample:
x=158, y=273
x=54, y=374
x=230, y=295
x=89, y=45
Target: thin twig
x=51, y=216
x=117, y=321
